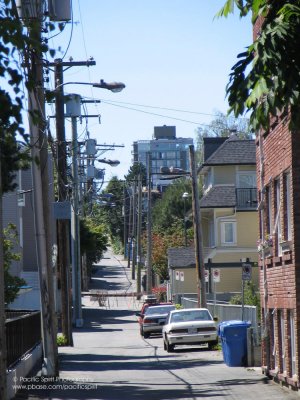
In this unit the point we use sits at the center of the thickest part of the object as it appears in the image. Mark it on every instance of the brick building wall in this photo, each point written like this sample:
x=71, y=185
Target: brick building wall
x=281, y=152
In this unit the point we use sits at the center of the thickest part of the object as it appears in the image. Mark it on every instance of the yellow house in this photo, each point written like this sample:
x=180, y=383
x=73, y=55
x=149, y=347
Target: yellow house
x=229, y=222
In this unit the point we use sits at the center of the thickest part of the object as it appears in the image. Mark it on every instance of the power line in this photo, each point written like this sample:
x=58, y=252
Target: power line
x=168, y=109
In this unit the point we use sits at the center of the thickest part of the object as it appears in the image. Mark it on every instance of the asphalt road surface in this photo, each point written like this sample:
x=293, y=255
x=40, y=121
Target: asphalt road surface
x=111, y=361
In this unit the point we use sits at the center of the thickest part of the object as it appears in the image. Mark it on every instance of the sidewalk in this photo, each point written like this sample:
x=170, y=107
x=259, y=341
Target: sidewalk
x=111, y=276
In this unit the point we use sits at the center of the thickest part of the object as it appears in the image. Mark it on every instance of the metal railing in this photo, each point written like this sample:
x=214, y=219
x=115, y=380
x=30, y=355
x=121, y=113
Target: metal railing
x=23, y=332
x=246, y=198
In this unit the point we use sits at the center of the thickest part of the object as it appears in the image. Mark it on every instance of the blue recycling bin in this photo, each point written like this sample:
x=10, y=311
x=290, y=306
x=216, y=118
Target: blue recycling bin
x=233, y=336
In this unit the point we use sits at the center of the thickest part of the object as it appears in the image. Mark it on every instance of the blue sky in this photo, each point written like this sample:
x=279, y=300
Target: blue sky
x=171, y=54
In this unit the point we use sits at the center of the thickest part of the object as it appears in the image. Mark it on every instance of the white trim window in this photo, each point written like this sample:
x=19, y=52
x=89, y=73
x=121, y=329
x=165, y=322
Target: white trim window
x=228, y=233
x=292, y=343
x=246, y=179
x=287, y=211
x=277, y=224
x=282, y=338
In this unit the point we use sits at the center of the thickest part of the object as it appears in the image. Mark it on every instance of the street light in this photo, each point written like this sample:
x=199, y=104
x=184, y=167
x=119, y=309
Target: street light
x=185, y=196
x=112, y=163
x=112, y=86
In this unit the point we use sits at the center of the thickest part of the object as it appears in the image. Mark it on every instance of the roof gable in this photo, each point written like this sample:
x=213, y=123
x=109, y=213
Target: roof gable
x=234, y=151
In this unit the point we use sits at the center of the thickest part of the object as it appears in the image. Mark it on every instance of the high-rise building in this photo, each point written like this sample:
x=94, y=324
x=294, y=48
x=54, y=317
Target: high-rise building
x=165, y=151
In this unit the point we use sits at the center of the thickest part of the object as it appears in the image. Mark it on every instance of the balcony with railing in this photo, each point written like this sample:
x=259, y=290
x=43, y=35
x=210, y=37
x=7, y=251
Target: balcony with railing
x=246, y=198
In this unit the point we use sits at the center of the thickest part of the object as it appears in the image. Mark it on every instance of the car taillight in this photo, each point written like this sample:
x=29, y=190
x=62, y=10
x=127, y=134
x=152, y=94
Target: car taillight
x=207, y=329
x=147, y=321
x=178, y=331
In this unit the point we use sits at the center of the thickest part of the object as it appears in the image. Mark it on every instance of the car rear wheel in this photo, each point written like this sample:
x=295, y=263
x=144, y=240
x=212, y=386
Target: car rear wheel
x=146, y=335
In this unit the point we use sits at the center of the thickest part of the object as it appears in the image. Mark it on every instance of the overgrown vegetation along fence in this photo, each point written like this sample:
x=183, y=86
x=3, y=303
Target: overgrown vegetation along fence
x=23, y=332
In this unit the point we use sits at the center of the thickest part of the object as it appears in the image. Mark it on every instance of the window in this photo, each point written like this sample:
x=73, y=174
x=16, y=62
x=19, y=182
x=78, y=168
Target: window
x=287, y=207
x=292, y=342
x=228, y=233
x=20, y=193
x=208, y=179
x=277, y=223
x=211, y=230
x=273, y=338
x=247, y=179
x=269, y=210
x=282, y=339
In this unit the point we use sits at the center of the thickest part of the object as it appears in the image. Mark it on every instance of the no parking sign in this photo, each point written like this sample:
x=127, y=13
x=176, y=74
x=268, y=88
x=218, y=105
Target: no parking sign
x=246, y=272
x=216, y=275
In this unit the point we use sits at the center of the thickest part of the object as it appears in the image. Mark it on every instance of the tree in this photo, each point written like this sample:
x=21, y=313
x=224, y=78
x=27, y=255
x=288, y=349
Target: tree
x=12, y=284
x=93, y=240
x=162, y=240
x=112, y=212
x=262, y=81
x=134, y=171
x=170, y=208
x=222, y=126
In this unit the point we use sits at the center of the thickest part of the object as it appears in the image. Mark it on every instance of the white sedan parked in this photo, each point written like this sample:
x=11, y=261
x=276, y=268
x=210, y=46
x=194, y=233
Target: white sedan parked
x=189, y=326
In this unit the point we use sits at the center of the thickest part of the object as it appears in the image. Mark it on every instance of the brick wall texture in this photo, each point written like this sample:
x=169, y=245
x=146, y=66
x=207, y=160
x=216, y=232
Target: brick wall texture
x=281, y=155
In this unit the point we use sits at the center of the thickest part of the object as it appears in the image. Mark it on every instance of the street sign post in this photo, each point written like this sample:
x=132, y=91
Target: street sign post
x=246, y=272
x=246, y=276
x=216, y=278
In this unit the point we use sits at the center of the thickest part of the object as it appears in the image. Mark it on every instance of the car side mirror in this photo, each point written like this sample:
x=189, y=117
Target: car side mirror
x=216, y=319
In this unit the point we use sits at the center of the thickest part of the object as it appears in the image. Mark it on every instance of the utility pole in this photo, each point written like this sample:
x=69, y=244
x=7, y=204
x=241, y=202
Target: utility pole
x=134, y=252
x=3, y=355
x=198, y=238
x=149, y=229
x=39, y=151
x=130, y=233
x=63, y=259
x=138, y=238
x=125, y=222
x=73, y=111
x=63, y=227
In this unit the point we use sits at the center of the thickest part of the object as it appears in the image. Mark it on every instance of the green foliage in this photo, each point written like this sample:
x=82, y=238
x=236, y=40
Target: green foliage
x=12, y=40
x=12, y=283
x=170, y=208
x=112, y=215
x=61, y=340
x=251, y=296
x=117, y=245
x=93, y=240
x=162, y=240
x=134, y=171
x=262, y=81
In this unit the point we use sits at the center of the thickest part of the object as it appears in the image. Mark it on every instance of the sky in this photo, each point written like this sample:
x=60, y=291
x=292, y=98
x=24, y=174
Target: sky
x=174, y=57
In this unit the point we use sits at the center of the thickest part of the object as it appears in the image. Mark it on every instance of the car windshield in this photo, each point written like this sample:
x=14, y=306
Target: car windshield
x=185, y=316
x=160, y=310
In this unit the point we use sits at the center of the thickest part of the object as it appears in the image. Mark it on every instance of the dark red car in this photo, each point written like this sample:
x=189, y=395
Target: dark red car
x=142, y=313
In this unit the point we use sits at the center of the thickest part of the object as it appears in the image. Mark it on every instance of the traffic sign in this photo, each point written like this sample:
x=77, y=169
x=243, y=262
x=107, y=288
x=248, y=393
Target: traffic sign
x=216, y=275
x=206, y=275
x=246, y=272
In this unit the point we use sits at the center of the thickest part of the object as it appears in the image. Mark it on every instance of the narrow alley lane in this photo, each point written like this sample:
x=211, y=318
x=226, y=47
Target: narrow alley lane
x=111, y=361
